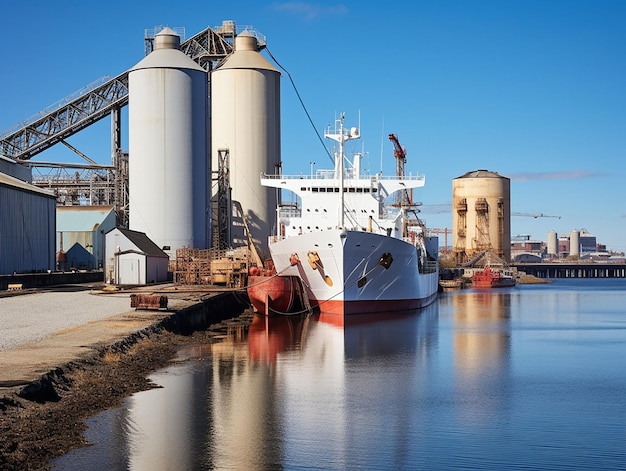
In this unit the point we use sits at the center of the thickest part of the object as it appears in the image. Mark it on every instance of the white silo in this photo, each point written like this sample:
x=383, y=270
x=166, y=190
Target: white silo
x=553, y=243
x=245, y=121
x=169, y=166
x=574, y=242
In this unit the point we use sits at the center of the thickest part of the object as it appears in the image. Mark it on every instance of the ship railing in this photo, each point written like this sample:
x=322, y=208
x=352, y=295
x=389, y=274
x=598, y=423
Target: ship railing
x=330, y=175
x=405, y=177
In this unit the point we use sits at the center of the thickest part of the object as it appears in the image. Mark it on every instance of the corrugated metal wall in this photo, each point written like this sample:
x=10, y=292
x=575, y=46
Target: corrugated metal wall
x=27, y=231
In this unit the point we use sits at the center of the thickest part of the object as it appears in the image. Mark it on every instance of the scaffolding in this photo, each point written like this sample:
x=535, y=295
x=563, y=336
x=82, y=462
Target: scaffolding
x=227, y=268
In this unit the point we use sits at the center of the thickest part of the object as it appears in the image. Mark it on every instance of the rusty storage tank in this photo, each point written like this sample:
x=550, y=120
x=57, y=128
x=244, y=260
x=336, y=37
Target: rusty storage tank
x=481, y=215
x=169, y=167
x=245, y=132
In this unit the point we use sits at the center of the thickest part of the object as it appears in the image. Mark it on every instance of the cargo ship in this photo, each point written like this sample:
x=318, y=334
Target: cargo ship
x=353, y=252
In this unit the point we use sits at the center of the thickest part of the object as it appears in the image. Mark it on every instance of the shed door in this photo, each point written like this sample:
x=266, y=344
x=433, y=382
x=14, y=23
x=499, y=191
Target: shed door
x=130, y=274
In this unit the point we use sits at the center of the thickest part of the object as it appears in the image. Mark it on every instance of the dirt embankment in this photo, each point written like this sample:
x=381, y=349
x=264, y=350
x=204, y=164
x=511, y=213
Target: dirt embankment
x=46, y=419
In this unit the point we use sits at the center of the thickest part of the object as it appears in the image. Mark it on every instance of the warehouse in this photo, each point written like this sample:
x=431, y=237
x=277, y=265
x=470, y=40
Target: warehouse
x=27, y=227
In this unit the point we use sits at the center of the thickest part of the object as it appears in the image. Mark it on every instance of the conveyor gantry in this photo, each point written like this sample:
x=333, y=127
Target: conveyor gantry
x=206, y=48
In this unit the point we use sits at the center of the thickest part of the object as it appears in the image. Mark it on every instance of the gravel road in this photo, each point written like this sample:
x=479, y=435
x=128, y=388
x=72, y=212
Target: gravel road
x=35, y=316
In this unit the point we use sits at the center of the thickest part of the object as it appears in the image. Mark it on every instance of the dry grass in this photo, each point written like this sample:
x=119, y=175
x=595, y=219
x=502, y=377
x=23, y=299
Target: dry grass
x=111, y=357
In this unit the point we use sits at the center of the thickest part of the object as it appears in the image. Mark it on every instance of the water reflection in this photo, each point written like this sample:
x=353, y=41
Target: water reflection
x=481, y=353
x=479, y=380
x=319, y=388
x=293, y=389
x=268, y=337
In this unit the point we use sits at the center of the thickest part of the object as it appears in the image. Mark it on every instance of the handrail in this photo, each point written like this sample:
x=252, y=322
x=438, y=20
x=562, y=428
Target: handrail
x=364, y=178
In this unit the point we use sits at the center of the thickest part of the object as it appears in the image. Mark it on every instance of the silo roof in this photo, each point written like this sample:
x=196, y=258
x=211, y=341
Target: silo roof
x=482, y=174
x=245, y=56
x=167, y=59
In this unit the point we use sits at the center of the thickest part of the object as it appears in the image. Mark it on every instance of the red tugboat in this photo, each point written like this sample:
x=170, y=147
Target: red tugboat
x=488, y=278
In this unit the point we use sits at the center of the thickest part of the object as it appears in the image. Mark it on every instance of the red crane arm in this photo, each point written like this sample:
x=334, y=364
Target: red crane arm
x=399, y=152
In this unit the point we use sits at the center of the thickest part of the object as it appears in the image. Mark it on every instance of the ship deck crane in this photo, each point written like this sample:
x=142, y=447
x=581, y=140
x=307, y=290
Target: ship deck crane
x=399, y=152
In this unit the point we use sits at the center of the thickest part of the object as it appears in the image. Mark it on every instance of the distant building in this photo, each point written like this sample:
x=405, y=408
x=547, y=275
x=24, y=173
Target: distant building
x=577, y=243
x=86, y=226
x=27, y=226
x=521, y=247
x=527, y=258
x=588, y=242
x=133, y=259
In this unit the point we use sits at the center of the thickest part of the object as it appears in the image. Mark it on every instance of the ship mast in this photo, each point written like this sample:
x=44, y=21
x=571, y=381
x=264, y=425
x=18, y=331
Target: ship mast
x=341, y=165
x=341, y=136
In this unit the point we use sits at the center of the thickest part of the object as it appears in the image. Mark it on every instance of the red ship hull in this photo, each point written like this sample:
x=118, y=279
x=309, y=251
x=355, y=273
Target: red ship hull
x=273, y=295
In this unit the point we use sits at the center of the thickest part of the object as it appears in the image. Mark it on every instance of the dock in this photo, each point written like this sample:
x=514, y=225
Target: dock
x=573, y=270
x=46, y=329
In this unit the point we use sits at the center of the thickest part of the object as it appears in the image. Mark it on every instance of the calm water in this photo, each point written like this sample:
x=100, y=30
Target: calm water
x=531, y=377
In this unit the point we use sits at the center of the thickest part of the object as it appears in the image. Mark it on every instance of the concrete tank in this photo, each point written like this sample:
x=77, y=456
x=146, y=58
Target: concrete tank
x=574, y=243
x=481, y=215
x=245, y=120
x=553, y=243
x=169, y=167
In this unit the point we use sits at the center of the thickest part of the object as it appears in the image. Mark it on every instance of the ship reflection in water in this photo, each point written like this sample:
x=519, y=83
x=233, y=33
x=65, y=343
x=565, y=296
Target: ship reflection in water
x=478, y=380
x=295, y=388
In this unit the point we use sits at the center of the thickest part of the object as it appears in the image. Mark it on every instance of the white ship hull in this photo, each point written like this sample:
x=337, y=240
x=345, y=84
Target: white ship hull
x=342, y=273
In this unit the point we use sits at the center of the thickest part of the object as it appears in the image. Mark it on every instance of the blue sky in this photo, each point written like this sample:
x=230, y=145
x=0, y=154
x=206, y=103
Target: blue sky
x=532, y=89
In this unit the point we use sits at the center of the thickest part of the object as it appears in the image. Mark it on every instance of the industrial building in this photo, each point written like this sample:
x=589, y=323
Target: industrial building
x=164, y=186
x=27, y=227
x=577, y=244
x=481, y=215
x=80, y=236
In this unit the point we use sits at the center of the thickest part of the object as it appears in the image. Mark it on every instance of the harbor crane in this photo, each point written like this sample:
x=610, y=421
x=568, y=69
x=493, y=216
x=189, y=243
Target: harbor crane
x=537, y=215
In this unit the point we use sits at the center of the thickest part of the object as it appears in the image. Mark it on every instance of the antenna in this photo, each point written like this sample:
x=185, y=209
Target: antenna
x=382, y=133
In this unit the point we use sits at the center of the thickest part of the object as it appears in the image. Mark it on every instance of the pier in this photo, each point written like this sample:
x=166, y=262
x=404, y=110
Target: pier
x=573, y=270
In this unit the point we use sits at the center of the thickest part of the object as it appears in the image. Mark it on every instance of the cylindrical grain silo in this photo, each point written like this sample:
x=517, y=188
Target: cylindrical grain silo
x=481, y=215
x=574, y=243
x=553, y=244
x=169, y=166
x=245, y=122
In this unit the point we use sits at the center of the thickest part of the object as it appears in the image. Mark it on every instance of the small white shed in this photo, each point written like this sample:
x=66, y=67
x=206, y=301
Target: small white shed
x=133, y=259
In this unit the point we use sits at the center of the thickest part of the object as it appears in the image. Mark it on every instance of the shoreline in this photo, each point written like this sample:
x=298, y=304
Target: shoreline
x=68, y=356
x=47, y=425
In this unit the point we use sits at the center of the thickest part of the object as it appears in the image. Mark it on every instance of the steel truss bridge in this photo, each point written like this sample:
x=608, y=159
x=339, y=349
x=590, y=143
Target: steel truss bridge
x=92, y=183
